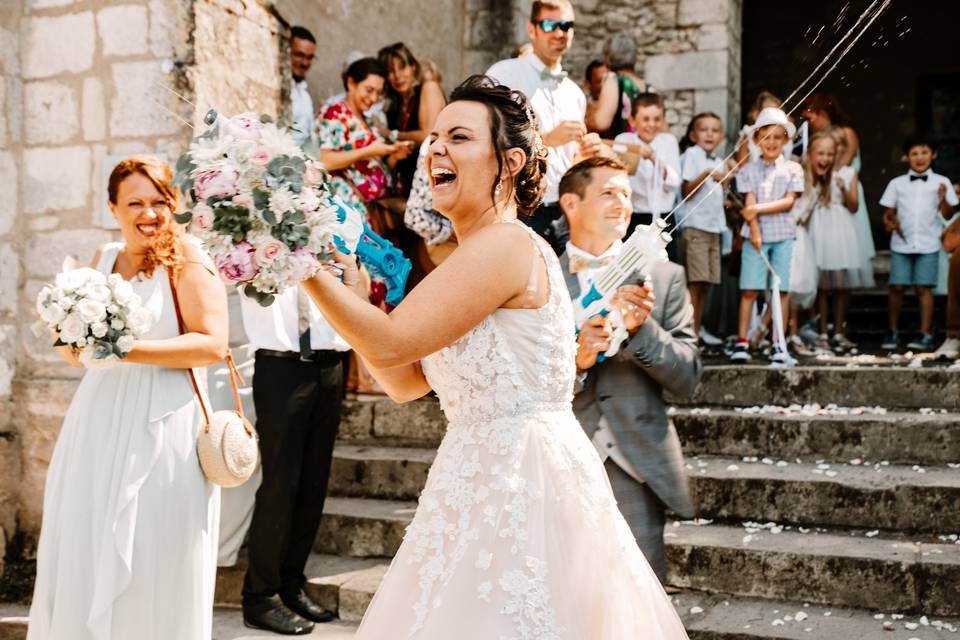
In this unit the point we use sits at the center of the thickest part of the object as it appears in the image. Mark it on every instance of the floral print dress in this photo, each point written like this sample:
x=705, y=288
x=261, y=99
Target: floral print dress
x=340, y=129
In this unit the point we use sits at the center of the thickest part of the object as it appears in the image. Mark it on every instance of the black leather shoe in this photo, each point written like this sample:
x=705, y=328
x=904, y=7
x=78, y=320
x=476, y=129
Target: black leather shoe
x=302, y=605
x=274, y=616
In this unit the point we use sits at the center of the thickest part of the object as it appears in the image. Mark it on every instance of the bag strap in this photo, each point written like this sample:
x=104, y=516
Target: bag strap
x=235, y=378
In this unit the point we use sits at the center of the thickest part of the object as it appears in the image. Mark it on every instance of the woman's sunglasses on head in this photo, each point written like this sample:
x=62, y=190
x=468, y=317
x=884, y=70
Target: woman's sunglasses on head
x=549, y=26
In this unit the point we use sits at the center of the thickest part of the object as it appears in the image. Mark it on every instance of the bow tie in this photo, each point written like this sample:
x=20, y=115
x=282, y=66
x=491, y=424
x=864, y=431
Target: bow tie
x=547, y=74
x=924, y=178
x=579, y=263
x=711, y=157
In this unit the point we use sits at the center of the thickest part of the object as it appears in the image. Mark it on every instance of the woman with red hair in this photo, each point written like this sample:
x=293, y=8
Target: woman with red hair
x=128, y=546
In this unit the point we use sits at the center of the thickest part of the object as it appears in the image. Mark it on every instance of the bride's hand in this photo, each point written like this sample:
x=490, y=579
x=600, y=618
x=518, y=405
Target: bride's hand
x=346, y=268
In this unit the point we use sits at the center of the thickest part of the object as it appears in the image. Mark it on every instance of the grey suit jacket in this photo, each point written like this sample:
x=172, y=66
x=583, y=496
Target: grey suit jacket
x=627, y=389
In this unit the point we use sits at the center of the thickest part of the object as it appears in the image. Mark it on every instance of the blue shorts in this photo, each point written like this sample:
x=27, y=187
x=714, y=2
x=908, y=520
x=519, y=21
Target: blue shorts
x=753, y=270
x=909, y=269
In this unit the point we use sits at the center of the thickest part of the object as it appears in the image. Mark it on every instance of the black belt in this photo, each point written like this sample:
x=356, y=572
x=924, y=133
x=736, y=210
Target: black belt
x=322, y=356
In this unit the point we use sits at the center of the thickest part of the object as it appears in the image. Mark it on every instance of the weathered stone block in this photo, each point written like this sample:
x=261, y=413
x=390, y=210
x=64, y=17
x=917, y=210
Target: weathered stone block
x=693, y=70
x=9, y=483
x=695, y=12
x=47, y=250
x=132, y=110
x=714, y=100
x=46, y=4
x=123, y=30
x=56, y=178
x=9, y=282
x=94, y=110
x=60, y=44
x=714, y=36
x=50, y=112
x=8, y=191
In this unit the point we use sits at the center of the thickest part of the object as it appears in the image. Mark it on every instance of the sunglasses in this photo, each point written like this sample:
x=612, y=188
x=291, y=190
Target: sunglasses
x=549, y=26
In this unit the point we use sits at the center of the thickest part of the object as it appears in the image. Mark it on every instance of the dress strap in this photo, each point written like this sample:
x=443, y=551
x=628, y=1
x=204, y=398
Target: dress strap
x=108, y=256
x=543, y=252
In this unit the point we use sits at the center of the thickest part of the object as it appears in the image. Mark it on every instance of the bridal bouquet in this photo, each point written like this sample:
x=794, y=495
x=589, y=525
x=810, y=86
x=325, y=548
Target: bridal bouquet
x=261, y=206
x=98, y=316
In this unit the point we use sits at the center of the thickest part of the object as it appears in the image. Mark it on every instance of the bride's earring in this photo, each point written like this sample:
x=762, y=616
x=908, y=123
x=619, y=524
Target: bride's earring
x=498, y=188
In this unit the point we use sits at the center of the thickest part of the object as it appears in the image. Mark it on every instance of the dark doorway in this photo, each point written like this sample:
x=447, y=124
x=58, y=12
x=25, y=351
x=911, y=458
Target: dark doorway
x=903, y=76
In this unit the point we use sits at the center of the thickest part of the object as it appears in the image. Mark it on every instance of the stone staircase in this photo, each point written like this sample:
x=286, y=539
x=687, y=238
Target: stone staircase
x=841, y=522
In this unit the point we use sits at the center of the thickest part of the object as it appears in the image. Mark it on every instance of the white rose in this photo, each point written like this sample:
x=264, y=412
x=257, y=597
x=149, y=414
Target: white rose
x=125, y=343
x=91, y=310
x=139, y=321
x=123, y=292
x=99, y=292
x=116, y=324
x=76, y=278
x=72, y=329
x=113, y=309
x=99, y=329
x=52, y=314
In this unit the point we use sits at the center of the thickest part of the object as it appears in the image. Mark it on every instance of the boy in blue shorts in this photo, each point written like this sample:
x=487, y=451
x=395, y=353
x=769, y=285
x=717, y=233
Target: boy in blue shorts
x=917, y=205
x=770, y=185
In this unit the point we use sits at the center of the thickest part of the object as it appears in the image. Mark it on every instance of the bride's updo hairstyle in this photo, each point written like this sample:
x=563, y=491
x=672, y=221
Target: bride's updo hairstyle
x=512, y=125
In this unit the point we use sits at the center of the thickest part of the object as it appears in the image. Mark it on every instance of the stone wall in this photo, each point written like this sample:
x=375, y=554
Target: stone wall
x=81, y=84
x=688, y=50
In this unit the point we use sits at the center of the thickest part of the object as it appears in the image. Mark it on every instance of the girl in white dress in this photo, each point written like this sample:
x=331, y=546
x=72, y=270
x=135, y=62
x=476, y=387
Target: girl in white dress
x=841, y=263
x=517, y=534
x=128, y=547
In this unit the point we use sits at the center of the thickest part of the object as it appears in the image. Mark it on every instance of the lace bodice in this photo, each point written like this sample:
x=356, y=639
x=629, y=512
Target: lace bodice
x=515, y=361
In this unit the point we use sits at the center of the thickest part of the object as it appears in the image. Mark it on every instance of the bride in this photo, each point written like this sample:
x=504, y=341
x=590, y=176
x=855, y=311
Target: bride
x=517, y=534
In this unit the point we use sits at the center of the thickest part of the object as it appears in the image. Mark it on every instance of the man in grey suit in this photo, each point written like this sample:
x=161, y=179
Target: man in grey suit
x=619, y=401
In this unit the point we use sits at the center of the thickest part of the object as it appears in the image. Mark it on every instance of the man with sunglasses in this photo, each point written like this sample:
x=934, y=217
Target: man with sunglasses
x=303, y=47
x=559, y=104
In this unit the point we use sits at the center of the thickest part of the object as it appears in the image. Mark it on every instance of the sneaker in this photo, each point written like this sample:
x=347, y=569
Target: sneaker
x=925, y=343
x=891, y=340
x=842, y=344
x=949, y=350
x=799, y=346
x=822, y=343
x=808, y=332
x=779, y=357
x=741, y=352
x=709, y=339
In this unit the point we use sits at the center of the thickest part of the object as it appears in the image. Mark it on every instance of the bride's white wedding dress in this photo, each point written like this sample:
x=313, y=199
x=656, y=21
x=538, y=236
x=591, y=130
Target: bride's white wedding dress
x=517, y=535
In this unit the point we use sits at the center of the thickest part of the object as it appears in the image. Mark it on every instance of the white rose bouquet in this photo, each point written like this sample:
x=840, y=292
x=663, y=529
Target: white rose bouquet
x=98, y=316
x=261, y=206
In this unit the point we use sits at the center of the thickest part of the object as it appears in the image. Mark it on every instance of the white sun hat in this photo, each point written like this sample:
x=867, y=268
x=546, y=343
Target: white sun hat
x=773, y=115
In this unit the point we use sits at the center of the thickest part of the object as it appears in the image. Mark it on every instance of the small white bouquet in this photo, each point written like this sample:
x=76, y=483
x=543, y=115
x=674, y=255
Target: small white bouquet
x=98, y=316
x=261, y=205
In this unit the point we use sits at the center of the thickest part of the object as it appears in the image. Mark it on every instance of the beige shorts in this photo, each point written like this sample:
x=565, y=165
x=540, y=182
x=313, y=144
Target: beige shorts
x=701, y=255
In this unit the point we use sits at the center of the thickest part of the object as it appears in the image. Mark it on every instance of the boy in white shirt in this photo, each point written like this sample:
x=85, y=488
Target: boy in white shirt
x=701, y=217
x=657, y=177
x=917, y=207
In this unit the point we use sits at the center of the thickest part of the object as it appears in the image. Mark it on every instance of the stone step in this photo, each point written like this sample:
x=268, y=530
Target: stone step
x=725, y=617
x=831, y=568
x=363, y=528
x=13, y=621
x=329, y=580
x=891, y=387
x=376, y=419
x=895, y=497
x=835, y=435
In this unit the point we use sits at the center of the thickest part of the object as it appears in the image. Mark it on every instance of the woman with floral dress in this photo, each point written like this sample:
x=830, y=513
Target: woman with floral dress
x=355, y=153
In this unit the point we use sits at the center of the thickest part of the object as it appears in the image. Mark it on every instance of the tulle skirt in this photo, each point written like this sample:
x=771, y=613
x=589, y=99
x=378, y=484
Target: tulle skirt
x=517, y=535
x=804, y=276
x=839, y=254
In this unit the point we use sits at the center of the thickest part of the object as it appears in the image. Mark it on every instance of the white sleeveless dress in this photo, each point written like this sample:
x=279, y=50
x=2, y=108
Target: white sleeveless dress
x=517, y=535
x=128, y=547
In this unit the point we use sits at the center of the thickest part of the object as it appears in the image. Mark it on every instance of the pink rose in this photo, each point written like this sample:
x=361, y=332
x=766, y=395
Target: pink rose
x=245, y=126
x=313, y=176
x=309, y=200
x=304, y=264
x=260, y=157
x=270, y=251
x=217, y=181
x=238, y=264
x=243, y=200
x=202, y=219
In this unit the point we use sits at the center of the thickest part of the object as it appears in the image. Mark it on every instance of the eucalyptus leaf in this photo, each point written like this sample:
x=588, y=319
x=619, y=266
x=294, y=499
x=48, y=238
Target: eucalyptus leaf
x=183, y=218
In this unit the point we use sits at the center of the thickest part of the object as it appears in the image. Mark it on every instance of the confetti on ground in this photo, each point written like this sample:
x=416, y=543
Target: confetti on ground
x=696, y=610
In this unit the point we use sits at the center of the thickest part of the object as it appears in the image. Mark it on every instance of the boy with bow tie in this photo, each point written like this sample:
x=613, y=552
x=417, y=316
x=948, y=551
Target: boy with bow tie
x=917, y=207
x=619, y=402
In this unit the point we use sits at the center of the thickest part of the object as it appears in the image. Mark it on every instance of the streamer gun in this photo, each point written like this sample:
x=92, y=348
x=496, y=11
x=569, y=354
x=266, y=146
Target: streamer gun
x=384, y=262
x=645, y=247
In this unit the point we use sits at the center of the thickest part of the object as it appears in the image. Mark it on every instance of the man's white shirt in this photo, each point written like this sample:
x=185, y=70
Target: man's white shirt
x=276, y=327
x=918, y=208
x=553, y=101
x=704, y=210
x=654, y=192
x=302, y=111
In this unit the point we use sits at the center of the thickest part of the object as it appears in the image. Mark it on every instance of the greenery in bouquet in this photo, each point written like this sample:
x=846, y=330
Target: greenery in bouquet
x=261, y=205
x=98, y=316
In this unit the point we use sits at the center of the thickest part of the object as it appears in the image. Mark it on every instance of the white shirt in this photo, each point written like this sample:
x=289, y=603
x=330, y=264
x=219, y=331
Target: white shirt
x=552, y=102
x=603, y=438
x=704, y=209
x=652, y=191
x=276, y=327
x=918, y=209
x=302, y=108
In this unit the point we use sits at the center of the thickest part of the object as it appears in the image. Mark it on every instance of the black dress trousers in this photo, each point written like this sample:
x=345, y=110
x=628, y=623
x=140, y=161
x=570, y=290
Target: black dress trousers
x=298, y=411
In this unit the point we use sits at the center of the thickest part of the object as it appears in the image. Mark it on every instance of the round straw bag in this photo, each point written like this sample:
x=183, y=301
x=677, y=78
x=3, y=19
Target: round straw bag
x=227, y=445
